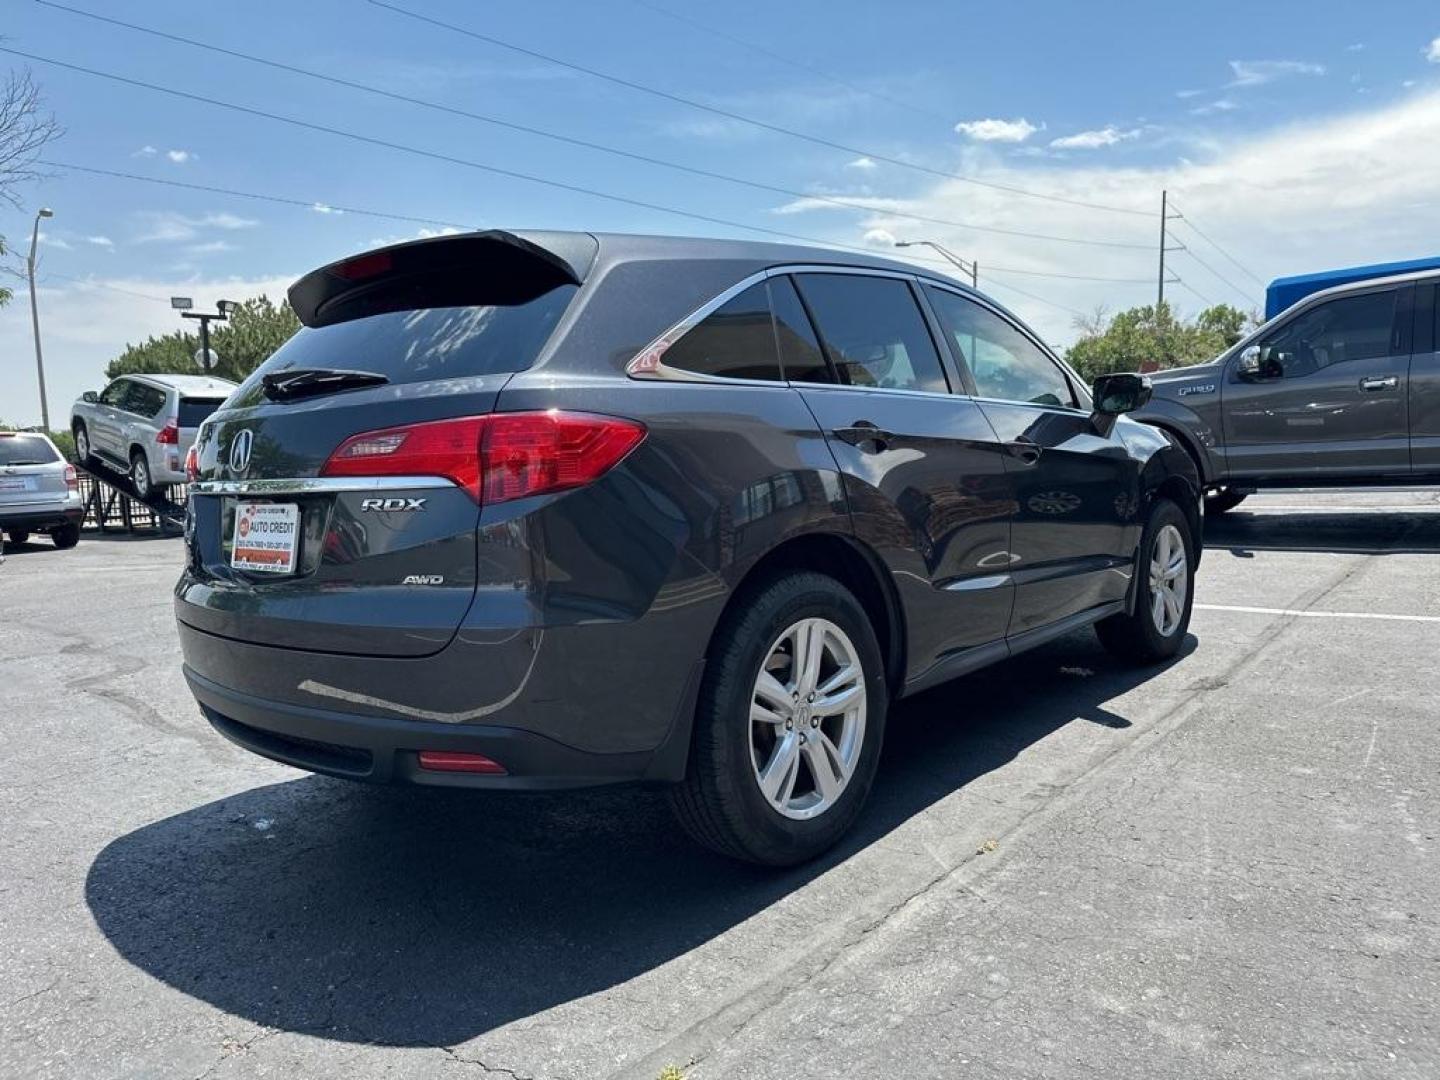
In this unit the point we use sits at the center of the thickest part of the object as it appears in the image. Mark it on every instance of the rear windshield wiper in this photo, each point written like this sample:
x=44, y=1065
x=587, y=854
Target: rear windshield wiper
x=307, y=382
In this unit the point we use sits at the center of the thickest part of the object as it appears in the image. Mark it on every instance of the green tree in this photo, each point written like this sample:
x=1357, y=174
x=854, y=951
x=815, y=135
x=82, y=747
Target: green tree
x=255, y=330
x=1151, y=336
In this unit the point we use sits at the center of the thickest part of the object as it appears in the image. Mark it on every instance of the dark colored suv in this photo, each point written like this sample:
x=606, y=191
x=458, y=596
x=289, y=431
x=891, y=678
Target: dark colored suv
x=541, y=510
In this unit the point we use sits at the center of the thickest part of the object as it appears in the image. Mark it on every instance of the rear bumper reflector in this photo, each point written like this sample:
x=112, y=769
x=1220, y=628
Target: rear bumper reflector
x=459, y=761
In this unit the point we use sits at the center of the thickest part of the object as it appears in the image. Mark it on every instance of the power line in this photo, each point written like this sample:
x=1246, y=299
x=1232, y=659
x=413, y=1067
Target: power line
x=308, y=204
x=788, y=61
x=750, y=120
x=1040, y=299
x=586, y=144
x=1221, y=250
x=1216, y=274
x=495, y=169
x=1186, y=285
x=92, y=283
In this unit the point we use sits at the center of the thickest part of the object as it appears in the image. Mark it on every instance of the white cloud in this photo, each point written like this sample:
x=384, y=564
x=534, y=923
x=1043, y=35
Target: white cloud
x=1218, y=105
x=145, y=151
x=1358, y=46
x=864, y=164
x=879, y=238
x=165, y=226
x=100, y=241
x=1093, y=140
x=53, y=241
x=1259, y=72
x=1356, y=188
x=1188, y=93
x=323, y=208
x=1432, y=53
x=210, y=247
x=991, y=130
x=179, y=157
x=117, y=311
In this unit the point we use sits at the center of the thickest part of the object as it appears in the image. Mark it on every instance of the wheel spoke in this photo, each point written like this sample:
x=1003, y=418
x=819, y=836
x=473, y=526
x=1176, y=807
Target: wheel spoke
x=773, y=694
x=1172, y=607
x=1157, y=610
x=777, y=779
x=1176, y=566
x=825, y=766
x=759, y=714
x=838, y=702
x=809, y=648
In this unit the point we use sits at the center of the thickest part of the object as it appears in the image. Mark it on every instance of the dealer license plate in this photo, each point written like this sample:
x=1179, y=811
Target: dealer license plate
x=266, y=537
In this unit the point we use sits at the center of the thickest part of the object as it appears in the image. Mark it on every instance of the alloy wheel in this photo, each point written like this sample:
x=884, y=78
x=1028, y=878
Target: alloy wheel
x=807, y=718
x=1169, y=580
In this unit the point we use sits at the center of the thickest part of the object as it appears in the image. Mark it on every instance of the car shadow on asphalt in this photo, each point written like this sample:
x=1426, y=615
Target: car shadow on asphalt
x=1347, y=532
x=426, y=918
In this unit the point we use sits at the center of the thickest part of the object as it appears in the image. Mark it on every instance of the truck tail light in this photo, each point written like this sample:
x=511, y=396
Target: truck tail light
x=496, y=458
x=72, y=479
x=192, y=464
x=169, y=434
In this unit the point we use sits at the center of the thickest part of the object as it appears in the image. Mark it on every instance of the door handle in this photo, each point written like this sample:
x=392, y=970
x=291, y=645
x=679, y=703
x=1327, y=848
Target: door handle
x=865, y=435
x=1380, y=382
x=1022, y=448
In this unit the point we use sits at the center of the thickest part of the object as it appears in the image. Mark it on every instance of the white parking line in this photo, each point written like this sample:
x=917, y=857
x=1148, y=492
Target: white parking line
x=1316, y=614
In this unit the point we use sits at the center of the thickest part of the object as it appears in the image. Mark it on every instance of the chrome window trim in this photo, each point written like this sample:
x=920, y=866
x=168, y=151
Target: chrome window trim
x=312, y=485
x=1069, y=373
x=641, y=369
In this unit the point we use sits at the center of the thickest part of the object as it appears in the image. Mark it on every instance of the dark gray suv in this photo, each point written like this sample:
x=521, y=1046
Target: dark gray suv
x=541, y=510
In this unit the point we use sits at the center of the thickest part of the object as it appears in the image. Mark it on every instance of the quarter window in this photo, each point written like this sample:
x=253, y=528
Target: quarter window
x=1005, y=363
x=873, y=331
x=1350, y=328
x=735, y=341
x=800, y=353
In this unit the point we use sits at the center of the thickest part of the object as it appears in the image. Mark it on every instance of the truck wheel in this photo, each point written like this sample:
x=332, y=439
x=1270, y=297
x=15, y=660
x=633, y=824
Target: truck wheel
x=788, y=726
x=1164, y=592
x=65, y=536
x=1223, y=501
x=18, y=536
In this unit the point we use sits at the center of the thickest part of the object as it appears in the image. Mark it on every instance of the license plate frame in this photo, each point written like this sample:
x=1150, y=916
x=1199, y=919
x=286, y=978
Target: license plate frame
x=265, y=538
x=10, y=485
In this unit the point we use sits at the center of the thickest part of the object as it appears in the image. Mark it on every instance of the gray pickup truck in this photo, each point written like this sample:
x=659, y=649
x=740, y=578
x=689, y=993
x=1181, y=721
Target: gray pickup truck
x=1341, y=389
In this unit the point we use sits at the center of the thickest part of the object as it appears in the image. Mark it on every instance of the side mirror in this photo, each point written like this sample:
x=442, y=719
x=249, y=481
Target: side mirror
x=1116, y=394
x=1249, y=367
x=90, y=397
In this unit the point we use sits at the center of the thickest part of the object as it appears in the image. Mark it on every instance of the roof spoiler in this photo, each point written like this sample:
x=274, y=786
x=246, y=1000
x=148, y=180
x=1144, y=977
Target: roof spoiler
x=491, y=267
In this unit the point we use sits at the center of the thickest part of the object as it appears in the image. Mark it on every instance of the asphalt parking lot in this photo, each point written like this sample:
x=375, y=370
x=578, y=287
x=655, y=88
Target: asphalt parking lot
x=1220, y=868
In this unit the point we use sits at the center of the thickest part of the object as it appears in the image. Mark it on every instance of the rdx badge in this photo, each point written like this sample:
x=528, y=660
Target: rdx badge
x=392, y=504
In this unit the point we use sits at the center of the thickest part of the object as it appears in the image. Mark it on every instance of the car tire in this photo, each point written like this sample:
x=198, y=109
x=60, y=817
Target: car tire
x=65, y=536
x=84, y=453
x=818, y=767
x=18, y=536
x=1155, y=630
x=140, y=476
x=1223, y=501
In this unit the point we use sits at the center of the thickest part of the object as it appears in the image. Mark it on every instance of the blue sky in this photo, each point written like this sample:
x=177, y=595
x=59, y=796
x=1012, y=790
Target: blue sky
x=1294, y=141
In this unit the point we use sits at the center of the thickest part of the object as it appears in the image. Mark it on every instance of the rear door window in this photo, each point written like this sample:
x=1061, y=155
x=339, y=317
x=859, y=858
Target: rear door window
x=142, y=399
x=424, y=344
x=193, y=410
x=873, y=332
x=735, y=341
x=26, y=450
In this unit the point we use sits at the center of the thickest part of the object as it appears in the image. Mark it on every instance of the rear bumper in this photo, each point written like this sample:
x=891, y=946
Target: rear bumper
x=379, y=750
x=33, y=520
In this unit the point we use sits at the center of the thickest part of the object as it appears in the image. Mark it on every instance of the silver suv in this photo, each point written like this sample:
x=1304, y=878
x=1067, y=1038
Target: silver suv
x=39, y=491
x=143, y=425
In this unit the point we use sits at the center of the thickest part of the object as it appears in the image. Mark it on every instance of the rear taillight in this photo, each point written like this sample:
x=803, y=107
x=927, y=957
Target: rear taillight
x=460, y=761
x=495, y=458
x=169, y=434
x=72, y=481
x=192, y=464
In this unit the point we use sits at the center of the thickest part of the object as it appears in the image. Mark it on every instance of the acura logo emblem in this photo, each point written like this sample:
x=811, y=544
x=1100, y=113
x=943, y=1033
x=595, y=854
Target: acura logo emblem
x=240, y=451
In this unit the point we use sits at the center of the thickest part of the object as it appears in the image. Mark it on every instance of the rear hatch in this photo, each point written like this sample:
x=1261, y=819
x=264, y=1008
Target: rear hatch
x=192, y=411
x=32, y=473
x=285, y=552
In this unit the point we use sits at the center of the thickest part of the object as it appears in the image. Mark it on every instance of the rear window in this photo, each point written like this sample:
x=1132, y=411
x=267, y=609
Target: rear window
x=421, y=345
x=195, y=409
x=26, y=450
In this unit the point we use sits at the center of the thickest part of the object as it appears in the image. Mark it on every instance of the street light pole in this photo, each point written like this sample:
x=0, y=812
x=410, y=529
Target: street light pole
x=967, y=266
x=44, y=212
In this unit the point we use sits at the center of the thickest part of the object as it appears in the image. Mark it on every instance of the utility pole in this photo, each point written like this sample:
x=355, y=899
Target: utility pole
x=967, y=266
x=44, y=212
x=1164, y=217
